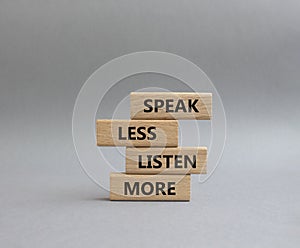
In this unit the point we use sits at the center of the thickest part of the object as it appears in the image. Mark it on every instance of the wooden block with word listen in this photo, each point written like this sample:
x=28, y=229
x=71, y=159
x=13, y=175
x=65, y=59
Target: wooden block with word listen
x=170, y=105
x=149, y=187
x=137, y=133
x=179, y=160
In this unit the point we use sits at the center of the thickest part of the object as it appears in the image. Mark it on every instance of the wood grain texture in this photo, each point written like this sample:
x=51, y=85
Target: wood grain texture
x=180, y=160
x=149, y=187
x=136, y=133
x=176, y=105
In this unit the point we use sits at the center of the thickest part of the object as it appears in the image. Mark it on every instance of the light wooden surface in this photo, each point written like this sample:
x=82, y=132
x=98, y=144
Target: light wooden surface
x=142, y=133
x=149, y=187
x=170, y=105
x=179, y=160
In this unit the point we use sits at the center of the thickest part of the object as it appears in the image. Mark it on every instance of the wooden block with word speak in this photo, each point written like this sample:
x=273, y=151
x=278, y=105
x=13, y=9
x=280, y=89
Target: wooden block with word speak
x=137, y=133
x=170, y=105
x=179, y=160
x=149, y=187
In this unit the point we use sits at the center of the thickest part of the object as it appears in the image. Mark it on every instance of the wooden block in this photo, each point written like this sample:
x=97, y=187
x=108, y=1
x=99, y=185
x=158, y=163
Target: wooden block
x=170, y=105
x=137, y=133
x=180, y=160
x=149, y=187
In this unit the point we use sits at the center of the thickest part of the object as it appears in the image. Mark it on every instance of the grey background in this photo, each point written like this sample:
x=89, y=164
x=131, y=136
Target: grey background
x=249, y=49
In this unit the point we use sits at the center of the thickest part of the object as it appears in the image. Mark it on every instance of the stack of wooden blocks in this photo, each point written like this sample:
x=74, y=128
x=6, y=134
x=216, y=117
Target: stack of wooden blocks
x=156, y=168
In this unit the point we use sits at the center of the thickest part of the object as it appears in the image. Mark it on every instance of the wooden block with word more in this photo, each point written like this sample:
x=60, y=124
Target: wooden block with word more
x=170, y=105
x=137, y=133
x=149, y=187
x=179, y=160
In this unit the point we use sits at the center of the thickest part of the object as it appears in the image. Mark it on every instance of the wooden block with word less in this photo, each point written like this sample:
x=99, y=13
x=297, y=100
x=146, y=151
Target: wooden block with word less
x=146, y=133
x=149, y=187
